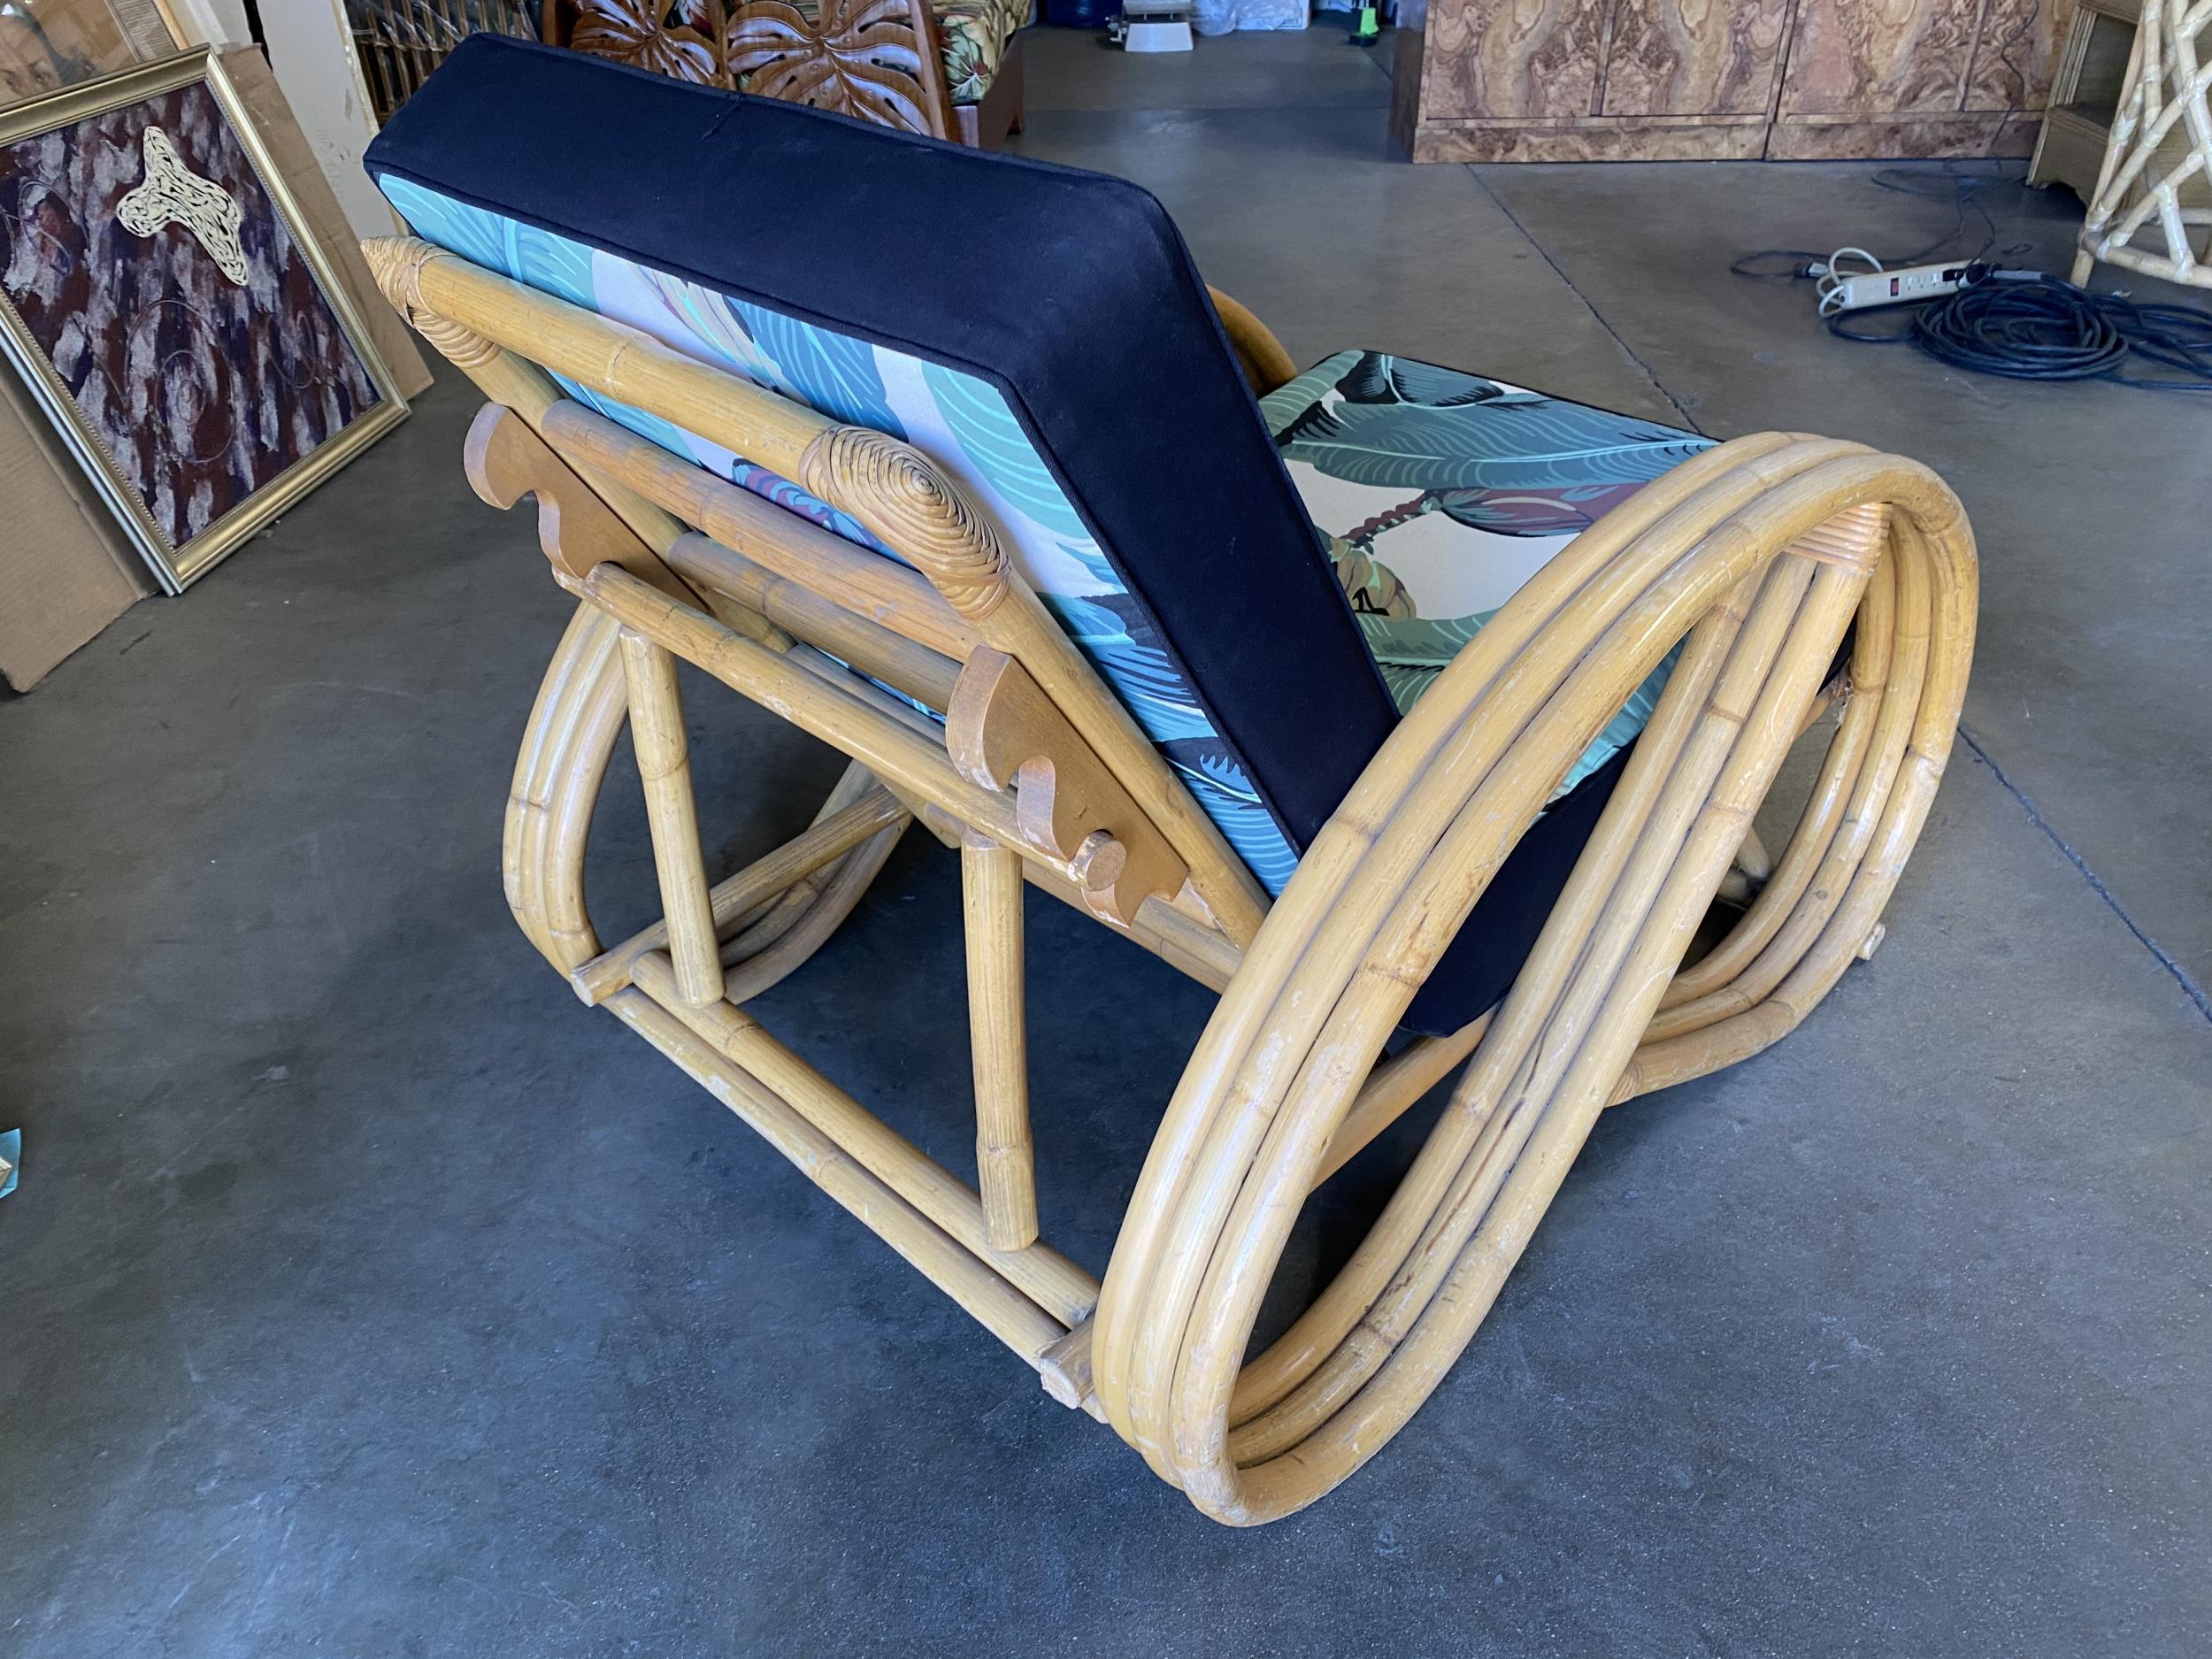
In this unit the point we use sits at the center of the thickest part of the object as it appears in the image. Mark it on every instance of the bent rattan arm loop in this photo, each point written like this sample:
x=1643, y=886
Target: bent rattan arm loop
x=1379, y=895
x=1261, y=355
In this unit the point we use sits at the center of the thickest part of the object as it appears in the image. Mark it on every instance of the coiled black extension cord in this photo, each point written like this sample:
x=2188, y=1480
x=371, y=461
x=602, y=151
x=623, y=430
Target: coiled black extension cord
x=2038, y=328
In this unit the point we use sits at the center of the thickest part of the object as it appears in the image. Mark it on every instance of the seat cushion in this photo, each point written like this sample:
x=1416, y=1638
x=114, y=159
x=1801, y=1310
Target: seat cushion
x=1441, y=493
x=974, y=33
x=1092, y=409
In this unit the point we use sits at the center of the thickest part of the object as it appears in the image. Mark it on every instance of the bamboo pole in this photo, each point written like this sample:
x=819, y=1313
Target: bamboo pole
x=1049, y=1278
x=856, y=580
x=663, y=763
x=735, y=901
x=623, y=362
x=1393, y=1088
x=923, y=674
x=991, y=908
x=1266, y=364
x=896, y=752
x=988, y=1294
x=1066, y=1370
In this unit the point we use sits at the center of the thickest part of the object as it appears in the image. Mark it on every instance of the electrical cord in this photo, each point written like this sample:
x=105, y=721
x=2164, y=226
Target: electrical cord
x=2027, y=327
x=1965, y=189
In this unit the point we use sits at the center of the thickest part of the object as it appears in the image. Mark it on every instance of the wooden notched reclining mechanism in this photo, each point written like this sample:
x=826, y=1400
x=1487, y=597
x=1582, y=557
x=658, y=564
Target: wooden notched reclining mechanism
x=1762, y=553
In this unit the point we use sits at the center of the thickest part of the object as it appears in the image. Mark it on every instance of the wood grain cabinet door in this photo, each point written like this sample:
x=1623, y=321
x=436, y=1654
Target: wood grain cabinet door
x=1693, y=56
x=1879, y=57
x=2016, y=53
x=1506, y=58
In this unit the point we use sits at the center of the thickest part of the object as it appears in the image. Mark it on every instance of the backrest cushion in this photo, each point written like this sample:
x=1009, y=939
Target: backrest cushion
x=1039, y=332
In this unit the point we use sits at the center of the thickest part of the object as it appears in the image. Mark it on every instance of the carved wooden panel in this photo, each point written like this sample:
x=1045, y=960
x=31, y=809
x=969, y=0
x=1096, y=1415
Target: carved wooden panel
x=678, y=39
x=1879, y=57
x=878, y=60
x=1693, y=56
x=1537, y=57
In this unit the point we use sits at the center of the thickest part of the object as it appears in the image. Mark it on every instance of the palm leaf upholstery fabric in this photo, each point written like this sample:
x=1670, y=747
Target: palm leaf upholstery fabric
x=1440, y=493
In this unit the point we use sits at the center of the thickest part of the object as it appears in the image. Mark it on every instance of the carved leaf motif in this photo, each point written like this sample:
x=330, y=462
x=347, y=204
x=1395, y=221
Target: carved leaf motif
x=861, y=59
x=632, y=32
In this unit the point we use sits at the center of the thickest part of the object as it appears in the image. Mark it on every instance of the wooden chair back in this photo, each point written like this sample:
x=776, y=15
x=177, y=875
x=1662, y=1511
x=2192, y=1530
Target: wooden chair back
x=1034, y=751
x=876, y=61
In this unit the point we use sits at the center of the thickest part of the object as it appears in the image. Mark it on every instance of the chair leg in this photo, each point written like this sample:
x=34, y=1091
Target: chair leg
x=991, y=901
x=664, y=761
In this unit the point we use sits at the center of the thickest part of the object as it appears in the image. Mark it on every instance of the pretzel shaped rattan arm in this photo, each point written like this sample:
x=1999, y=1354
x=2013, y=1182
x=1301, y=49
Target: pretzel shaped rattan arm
x=1385, y=887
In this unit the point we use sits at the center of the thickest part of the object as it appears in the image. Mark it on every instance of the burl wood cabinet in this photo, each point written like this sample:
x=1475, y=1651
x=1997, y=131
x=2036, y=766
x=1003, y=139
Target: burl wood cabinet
x=1724, y=79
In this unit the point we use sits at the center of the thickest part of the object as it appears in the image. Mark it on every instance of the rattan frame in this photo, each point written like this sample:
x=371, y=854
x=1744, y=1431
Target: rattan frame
x=1763, y=551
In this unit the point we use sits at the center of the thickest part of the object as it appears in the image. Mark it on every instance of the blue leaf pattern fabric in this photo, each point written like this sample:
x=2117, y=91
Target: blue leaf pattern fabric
x=1441, y=493
x=832, y=373
x=960, y=422
x=991, y=437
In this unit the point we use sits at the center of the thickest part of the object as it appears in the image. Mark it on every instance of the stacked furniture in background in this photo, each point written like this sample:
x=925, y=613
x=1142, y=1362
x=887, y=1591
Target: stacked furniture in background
x=947, y=68
x=1740, y=80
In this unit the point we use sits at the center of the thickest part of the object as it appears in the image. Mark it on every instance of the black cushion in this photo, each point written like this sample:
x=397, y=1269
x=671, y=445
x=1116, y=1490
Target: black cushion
x=1072, y=293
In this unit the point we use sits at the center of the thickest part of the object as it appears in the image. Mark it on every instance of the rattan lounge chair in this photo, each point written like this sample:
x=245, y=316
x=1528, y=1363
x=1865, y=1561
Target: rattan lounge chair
x=1450, y=783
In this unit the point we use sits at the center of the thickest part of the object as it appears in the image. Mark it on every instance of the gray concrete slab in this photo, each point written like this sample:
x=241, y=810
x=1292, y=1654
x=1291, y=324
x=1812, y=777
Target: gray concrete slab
x=365, y=1294
x=1077, y=69
x=1308, y=216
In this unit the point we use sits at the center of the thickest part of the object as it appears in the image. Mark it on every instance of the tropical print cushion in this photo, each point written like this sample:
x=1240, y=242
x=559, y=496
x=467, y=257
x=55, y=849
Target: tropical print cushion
x=960, y=422
x=975, y=33
x=1441, y=493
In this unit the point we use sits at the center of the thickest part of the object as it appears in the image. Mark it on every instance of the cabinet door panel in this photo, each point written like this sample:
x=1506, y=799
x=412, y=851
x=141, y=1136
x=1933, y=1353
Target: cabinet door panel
x=1879, y=57
x=2017, y=50
x=1512, y=57
x=1693, y=56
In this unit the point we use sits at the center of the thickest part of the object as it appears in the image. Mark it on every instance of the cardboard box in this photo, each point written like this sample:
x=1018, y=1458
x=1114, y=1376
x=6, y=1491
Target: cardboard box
x=66, y=570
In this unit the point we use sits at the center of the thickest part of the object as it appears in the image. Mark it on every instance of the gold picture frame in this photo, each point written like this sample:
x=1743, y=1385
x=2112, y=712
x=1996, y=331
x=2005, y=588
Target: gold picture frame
x=212, y=371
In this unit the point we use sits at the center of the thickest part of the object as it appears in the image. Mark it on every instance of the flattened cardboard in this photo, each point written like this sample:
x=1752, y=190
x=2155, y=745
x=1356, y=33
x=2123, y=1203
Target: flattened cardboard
x=66, y=570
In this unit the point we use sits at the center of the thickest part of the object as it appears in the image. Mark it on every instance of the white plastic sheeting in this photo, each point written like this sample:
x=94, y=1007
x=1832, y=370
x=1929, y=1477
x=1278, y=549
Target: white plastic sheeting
x=1220, y=17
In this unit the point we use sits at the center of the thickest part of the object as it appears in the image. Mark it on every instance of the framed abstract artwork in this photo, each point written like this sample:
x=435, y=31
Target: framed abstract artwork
x=161, y=298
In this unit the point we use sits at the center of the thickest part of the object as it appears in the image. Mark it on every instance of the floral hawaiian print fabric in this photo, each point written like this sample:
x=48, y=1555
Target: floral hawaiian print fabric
x=958, y=421
x=1441, y=493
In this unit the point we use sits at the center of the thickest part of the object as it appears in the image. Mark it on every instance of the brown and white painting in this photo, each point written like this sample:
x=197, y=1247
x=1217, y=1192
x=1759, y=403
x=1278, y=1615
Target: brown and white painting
x=147, y=264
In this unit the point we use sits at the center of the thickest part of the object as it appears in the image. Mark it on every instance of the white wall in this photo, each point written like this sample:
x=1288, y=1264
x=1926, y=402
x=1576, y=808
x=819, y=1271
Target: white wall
x=311, y=53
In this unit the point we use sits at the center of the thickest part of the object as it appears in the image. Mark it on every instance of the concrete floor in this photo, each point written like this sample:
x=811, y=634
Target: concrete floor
x=364, y=1296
